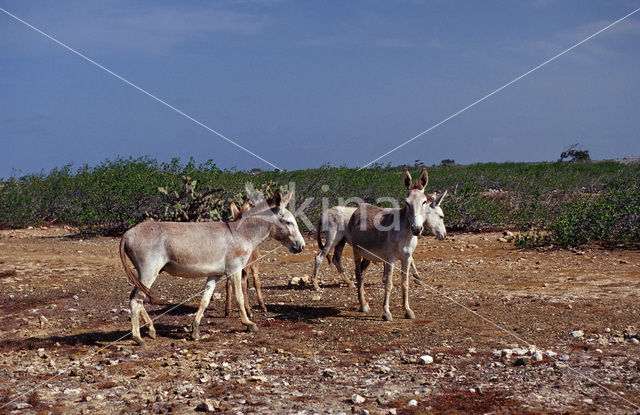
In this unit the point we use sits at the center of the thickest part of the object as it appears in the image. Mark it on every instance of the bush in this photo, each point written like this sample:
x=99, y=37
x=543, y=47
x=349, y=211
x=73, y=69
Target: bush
x=569, y=203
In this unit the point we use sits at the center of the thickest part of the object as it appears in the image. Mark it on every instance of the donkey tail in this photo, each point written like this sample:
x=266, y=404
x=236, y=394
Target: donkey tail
x=319, y=234
x=132, y=278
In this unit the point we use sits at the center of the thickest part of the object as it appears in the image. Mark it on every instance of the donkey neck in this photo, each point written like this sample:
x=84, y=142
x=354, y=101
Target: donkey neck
x=253, y=229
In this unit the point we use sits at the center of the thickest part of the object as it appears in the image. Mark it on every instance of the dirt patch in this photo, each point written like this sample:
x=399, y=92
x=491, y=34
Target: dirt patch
x=505, y=331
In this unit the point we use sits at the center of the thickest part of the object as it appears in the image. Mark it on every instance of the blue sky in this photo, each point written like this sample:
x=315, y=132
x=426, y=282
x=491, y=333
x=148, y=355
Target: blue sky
x=306, y=83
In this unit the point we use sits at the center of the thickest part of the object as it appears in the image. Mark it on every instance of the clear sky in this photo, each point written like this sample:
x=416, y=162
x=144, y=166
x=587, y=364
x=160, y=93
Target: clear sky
x=305, y=83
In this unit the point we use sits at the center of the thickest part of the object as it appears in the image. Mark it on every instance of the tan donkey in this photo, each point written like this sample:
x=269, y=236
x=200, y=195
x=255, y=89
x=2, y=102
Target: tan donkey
x=252, y=266
x=208, y=250
x=386, y=235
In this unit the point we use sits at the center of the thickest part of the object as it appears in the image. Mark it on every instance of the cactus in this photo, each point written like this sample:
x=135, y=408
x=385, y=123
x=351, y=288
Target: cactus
x=194, y=205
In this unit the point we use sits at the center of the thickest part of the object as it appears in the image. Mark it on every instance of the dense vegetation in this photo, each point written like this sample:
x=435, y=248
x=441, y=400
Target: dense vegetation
x=554, y=203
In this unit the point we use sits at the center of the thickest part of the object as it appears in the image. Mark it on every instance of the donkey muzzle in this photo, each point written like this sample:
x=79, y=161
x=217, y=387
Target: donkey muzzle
x=416, y=230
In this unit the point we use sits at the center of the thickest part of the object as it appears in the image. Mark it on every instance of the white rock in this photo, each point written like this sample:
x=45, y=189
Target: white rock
x=537, y=356
x=413, y=402
x=357, y=399
x=426, y=359
x=607, y=330
x=550, y=353
x=497, y=354
x=634, y=341
x=576, y=334
x=588, y=401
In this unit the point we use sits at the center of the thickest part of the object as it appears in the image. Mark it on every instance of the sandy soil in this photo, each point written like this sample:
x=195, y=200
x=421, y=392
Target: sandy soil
x=509, y=331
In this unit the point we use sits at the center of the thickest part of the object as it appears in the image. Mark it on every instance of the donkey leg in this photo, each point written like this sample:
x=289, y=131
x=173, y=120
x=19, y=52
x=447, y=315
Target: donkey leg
x=414, y=272
x=324, y=253
x=204, y=303
x=361, y=265
x=408, y=313
x=236, y=278
x=136, y=299
x=388, y=285
x=227, y=306
x=147, y=276
x=147, y=320
x=337, y=261
x=256, y=283
x=245, y=294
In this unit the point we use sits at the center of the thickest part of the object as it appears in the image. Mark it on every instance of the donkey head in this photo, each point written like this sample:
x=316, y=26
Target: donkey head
x=285, y=228
x=420, y=209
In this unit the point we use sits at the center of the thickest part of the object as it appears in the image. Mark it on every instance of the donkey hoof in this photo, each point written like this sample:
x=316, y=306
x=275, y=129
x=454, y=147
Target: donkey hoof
x=387, y=317
x=253, y=327
x=352, y=285
x=365, y=308
x=195, y=335
x=152, y=333
x=410, y=315
x=316, y=287
x=139, y=341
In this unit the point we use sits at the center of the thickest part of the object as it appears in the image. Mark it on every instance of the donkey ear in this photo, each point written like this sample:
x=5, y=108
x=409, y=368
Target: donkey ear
x=245, y=207
x=406, y=178
x=286, y=198
x=277, y=198
x=235, y=213
x=423, y=179
x=439, y=199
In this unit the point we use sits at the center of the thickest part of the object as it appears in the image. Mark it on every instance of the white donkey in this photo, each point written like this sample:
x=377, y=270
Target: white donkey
x=386, y=235
x=333, y=225
x=203, y=250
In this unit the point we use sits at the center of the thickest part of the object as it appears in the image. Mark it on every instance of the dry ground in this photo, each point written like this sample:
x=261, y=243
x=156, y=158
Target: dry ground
x=64, y=323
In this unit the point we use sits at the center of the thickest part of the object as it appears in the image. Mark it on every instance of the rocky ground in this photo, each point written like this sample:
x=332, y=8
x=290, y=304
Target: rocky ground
x=498, y=330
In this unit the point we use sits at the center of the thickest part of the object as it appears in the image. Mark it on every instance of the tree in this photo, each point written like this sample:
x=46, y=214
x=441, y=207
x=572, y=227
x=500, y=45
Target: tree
x=448, y=162
x=575, y=153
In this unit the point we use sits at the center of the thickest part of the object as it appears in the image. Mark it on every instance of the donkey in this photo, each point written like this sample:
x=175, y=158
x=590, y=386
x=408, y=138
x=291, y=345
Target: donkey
x=386, y=235
x=333, y=224
x=203, y=250
x=252, y=266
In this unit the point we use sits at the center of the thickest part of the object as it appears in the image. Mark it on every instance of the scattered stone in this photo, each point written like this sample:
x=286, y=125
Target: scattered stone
x=425, y=360
x=550, y=353
x=257, y=379
x=209, y=405
x=316, y=297
x=537, y=356
x=607, y=330
x=521, y=361
x=588, y=401
x=412, y=402
x=357, y=399
x=329, y=373
x=577, y=334
x=502, y=240
x=43, y=321
x=508, y=234
x=634, y=341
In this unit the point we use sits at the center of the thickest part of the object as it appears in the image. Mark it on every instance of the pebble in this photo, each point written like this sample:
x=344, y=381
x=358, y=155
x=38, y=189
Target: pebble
x=357, y=399
x=426, y=359
x=537, y=356
x=634, y=341
x=413, y=402
x=576, y=334
x=209, y=405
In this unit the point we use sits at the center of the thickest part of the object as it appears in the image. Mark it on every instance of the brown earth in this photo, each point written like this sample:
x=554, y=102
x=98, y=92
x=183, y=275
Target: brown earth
x=64, y=345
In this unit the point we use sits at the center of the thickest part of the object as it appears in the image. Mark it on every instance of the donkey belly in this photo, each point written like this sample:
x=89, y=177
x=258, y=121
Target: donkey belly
x=195, y=270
